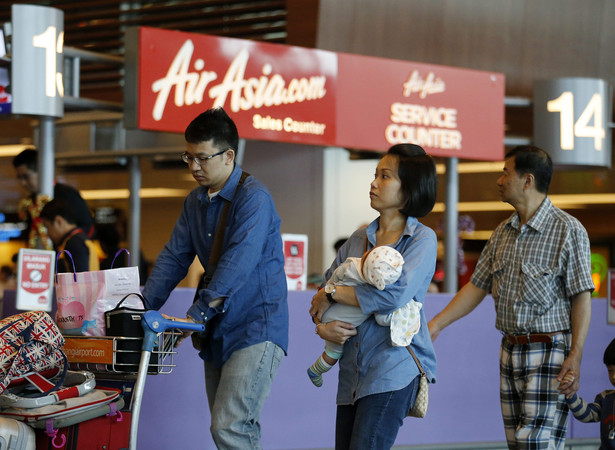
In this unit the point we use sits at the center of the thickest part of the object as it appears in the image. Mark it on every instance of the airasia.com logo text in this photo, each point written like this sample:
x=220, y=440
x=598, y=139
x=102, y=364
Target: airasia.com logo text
x=245, y=94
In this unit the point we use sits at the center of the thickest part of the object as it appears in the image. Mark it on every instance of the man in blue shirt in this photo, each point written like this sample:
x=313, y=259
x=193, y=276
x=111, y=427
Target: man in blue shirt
x=242, y=297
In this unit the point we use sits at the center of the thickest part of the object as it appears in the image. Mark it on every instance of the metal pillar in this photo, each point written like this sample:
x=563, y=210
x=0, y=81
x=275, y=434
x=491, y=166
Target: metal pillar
x=134, y=220
x=45, y=155
x=241, y=150
x=451, y=220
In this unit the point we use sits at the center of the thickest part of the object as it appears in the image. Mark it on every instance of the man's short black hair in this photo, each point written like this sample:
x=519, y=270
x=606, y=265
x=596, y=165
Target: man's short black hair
x=58, y=207
x=609, y=354
x=28, y=158
x=215, y=125
x=534, y=160
x=419, y=182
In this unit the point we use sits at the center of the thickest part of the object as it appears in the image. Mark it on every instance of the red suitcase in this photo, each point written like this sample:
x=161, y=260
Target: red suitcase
x=100, y=433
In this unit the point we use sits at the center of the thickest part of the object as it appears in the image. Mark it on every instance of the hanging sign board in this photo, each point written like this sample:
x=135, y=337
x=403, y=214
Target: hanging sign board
x=272, y=92
x=448, y=111
x=283, y=93
x=35, y=269
x=37, y=59
x=571, y=121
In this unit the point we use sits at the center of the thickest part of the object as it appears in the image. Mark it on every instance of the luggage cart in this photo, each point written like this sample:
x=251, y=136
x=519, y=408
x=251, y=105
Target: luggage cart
x=130, y=358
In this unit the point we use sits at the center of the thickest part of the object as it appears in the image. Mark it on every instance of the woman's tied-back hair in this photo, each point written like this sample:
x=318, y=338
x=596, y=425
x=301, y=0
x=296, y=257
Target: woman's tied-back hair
x=534, y=160
x=213, y=125
x=419, y=182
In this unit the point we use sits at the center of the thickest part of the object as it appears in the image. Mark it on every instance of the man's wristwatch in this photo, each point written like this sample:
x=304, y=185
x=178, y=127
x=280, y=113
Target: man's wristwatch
x=329, y=291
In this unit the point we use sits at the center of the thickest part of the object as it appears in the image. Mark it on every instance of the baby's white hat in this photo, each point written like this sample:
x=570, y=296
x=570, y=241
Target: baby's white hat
x=382, y=266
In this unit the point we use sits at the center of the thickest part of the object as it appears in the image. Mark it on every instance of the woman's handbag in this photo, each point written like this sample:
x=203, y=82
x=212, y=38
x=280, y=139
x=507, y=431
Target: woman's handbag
x=419, y=409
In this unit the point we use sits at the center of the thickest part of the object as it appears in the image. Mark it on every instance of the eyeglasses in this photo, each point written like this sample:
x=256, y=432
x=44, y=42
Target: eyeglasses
x=200, y=160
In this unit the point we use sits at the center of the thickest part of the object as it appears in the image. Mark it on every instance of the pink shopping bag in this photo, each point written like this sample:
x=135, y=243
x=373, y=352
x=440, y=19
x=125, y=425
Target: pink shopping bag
x=83, y=297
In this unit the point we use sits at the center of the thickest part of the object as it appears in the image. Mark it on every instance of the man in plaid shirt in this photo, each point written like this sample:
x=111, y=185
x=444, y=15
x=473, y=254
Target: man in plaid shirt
x=537, y=268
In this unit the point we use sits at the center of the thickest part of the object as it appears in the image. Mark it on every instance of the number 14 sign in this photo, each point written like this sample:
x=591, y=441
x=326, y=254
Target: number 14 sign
x=571, y=121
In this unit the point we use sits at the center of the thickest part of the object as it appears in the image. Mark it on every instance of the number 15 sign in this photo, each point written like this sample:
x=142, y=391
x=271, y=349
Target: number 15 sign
x=571, y=121
x=37, y=59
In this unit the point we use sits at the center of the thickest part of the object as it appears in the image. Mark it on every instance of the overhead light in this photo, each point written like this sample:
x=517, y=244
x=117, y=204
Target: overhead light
x=475, y=206
x=473, y=167
x=13, y=149
x=565, y=201
x=582, y=200
x=476, y=235
x=119, y=194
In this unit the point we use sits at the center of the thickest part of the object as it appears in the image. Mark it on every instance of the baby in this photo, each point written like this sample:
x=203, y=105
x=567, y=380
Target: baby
x=380, y=266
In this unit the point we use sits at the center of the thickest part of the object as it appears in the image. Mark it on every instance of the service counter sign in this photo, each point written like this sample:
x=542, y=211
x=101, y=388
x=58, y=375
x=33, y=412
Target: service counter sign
x=283, y=93
x=273, y=92
x=450, y=112
x=35, y=280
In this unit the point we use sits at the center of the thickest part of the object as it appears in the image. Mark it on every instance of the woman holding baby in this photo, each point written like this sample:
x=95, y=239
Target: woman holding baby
x=378, y=380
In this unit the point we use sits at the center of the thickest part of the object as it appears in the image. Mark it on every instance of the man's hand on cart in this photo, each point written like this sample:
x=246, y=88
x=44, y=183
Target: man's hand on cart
x=185, y=334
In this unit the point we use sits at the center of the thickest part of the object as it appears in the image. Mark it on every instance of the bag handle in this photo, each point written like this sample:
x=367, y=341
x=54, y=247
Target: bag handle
x=71, y=260
x=118, y=254
x=128, y=295
x=416, y=360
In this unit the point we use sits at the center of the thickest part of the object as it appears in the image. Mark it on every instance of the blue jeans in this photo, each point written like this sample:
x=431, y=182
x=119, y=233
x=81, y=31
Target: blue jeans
x=373, y=421
x=236, y=393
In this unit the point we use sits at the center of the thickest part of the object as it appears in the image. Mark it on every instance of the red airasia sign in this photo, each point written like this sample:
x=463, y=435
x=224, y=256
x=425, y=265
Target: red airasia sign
x=272, y=92
x=291, y=94
x=447, y=111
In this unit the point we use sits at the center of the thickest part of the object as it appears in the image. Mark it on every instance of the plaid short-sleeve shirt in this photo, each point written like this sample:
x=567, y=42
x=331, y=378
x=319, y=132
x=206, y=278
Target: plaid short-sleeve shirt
x=532, y=271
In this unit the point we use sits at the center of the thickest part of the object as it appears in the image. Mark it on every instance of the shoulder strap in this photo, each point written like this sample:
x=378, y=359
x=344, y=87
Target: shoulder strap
x=216, y=250
x=416, y=360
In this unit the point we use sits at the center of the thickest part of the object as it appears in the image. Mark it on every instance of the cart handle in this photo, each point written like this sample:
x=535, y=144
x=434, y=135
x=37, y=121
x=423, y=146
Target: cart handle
x=154, y=323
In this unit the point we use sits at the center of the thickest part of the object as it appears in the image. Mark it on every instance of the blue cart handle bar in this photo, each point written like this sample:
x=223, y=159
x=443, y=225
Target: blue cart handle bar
x=154, y=323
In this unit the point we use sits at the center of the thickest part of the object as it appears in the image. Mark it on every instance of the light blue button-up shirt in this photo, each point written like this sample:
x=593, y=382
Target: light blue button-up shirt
x=370, y=364
x=249, y=276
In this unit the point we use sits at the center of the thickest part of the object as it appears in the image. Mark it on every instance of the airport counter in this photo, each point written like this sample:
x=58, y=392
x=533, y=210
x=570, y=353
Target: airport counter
x=463, y=408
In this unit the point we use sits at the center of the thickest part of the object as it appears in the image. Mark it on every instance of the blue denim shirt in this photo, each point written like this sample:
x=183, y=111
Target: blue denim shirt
x=370, y=364
x=249, y=276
